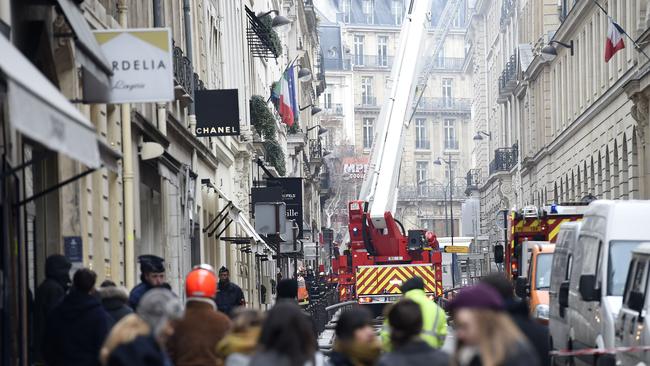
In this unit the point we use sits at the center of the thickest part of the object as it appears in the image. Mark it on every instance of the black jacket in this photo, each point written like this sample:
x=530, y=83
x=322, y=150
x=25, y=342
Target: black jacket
x=137, y=293
x=521, y=355
x=142, y=351
x=114, y=300
x=414, y=354
x=75, y=331
x=229, y=297
x=339, y=359
x=50, y=292
x=536, y=333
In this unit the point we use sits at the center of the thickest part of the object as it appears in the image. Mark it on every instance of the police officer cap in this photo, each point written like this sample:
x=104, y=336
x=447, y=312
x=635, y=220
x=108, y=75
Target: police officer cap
x=151, y=264
x=223, y=269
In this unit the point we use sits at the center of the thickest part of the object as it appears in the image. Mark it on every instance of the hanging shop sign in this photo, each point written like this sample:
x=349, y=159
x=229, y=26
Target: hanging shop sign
x=141, y=61
x=217, y=112
x=292, y=196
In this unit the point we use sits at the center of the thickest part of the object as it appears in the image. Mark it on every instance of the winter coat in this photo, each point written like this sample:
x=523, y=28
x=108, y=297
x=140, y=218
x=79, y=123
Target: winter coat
x=415, y=353
x=50, y=292
x=267, y=358
x=520, y=355
x=236, y=348
x=536, y=333
x=114, y=300
x=142, y=351
x=350, y=353
x=75, y=331
x=137, y=293
x=197, y=334
x=229, y=297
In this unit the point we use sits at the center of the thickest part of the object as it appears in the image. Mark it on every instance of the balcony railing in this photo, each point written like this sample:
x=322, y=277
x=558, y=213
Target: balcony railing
x=508, y=78
x=422, y=144
x=335, y=63
x=334, y=109
x=505, y=158
x=373, y=61
x=435, y=104
x=451, y=144
x=367, y=101
x=448, y=63
x=183, y=72
x=315, y=149
x=431, y=192
x=263, y=42
x=507, y=10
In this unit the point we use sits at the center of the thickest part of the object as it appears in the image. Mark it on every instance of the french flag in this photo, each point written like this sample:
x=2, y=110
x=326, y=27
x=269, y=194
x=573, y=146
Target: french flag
x=614, y=39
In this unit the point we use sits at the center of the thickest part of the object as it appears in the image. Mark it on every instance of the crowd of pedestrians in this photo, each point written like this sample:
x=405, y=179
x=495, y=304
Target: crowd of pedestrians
x=80, y=323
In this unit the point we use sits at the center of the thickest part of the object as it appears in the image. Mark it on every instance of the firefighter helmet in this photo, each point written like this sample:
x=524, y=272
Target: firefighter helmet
x=201, y=282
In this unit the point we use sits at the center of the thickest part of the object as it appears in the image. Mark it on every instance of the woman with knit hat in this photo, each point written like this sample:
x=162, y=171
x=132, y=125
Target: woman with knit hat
x=485, y=334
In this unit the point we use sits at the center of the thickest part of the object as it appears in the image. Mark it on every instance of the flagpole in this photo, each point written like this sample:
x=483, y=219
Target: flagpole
x=636, y=45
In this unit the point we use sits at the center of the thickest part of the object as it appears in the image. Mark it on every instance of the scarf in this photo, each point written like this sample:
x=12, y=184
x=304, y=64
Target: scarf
x=360, y=354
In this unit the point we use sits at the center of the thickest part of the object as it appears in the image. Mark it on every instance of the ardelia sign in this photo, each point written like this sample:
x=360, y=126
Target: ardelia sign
x=141, y=61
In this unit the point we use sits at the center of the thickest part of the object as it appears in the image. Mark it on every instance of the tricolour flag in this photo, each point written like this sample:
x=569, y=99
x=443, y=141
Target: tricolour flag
x=614, y=39
x=286, y=99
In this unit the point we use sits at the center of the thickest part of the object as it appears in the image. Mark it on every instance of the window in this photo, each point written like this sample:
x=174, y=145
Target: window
x=454, y=165
x=543, y=271
x=327, y=100
x=382, y=51
x=421, y=172
x=358, y=49
x=620, y=253
x=449, y=126
x=569, y=268
x=421, y=136
x=459, y=22
x=345, y=10
x=446, y=92
x=366, y=91
x=368, y=132
x=396, y=10
x=427, y=224
x=440, y=62
x=368, y=10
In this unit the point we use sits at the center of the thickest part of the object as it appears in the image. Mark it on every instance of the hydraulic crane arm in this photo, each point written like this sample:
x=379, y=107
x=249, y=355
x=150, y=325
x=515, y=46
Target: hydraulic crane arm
x=379, y=188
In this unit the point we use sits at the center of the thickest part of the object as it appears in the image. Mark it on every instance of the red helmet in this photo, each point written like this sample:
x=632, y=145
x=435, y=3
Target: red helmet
x=201, y=282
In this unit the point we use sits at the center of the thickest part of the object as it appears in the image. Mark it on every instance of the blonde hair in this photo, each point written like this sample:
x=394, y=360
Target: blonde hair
x=125, y=331
x=244, y=319
x=498, y=336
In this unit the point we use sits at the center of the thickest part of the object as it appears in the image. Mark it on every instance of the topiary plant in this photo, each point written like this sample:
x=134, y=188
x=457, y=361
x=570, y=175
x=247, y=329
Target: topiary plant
x=261, y=117
x=275, y=156
x=273, y=35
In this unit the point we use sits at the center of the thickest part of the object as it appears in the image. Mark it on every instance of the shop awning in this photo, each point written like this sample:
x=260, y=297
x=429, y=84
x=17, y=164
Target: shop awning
x=95, y=66
x=39, y=111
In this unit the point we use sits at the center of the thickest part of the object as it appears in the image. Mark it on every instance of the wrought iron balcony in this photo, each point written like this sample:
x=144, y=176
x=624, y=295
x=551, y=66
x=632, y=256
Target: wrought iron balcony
x=337, y=63
x=422, y=144
x=446, y=104
x=367, y=101
x=508, y=78
x=448, y=63
x=372, y=61
x=183, y=74
x=262, y=39
x=507, y=10
x=429, y=192
x=334, y=109
x=316, y=151
x=505, y=158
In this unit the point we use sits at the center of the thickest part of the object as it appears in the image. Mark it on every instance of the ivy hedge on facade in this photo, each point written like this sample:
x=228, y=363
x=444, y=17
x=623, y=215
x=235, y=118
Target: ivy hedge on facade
x=263, y=122
x=273, y=35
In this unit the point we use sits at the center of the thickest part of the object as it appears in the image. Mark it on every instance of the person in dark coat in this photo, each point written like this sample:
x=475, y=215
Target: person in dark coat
x=48, y=294
x=356, y=343
x=139, y=339
x=114, y=300
x=408, y=348
x=287, y=290
x=537, y=334
x=229, y=295
x=202, y=327
x=152, y=274
x=77, y=327
x=485, y=333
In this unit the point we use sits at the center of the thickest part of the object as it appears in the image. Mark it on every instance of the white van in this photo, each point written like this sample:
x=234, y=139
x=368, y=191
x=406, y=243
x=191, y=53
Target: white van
x=562, y=266
x=609, y=232
x=632, y=328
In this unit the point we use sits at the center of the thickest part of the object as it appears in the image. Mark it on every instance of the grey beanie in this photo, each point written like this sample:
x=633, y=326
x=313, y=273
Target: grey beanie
x=158, y=306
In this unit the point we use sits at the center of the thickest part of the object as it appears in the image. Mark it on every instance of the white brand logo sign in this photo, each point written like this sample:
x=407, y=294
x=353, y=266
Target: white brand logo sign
x=141, y=60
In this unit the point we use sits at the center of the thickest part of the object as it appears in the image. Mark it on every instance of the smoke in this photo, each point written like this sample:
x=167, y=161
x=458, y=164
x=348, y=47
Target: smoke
x=328, y=8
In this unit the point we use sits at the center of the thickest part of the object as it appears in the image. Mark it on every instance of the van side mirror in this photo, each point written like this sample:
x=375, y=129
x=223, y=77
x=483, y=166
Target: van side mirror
x=587, y=288
x=563, y=296
x=635, y=301
x=521, y=287
x=498, y=254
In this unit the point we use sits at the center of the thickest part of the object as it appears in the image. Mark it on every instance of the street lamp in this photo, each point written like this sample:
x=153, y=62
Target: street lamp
x=550, y=50
x=280, y=23
x=314, y=109
x=479, y=135
x=439, y=161
x=321, y=130
x=304, y=74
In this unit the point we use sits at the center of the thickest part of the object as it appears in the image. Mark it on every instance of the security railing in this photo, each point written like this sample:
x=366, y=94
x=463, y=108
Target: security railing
x=435, y=104
x=337, y=63
x=374, y=61
x=451, y=145
x=431, y=192
x=505, y=158
x=508, y=78
x=448, y=63
x=183, y=71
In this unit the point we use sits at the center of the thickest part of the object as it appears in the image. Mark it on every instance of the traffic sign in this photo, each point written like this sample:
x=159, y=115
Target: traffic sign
x=457, y=249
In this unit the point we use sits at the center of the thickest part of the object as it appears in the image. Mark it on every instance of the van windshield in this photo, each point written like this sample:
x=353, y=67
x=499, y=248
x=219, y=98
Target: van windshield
x=620, y=253
x=543, y=271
